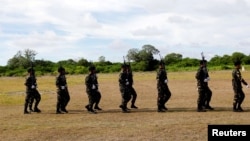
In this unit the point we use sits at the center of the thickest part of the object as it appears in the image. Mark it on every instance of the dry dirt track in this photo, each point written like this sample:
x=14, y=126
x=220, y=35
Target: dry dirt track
x=180, y=122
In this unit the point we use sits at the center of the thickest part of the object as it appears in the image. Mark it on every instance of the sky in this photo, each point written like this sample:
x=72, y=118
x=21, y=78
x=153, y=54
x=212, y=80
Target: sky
x=75, y=29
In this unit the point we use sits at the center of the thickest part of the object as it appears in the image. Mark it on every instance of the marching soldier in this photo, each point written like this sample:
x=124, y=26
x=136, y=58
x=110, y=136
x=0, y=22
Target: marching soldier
x=204, y=91
x=31, y=92
x=124, y=88
x=164, y=93
x=63, y=96
x=94, y=95
x=237, y=81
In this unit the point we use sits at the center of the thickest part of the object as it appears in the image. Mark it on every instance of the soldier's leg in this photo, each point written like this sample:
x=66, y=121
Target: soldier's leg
x=208, y=97
x=87, y=106
x=200, y=100
x=31, y=101
x=97, y=100
x=37, y=101
x=59, y=103
x=134, y=97
x=26, y=103
x=241, y=99
x=126, y=99
x=160, y=100
x=123, y=105
x=235, y=103
x=91, y=102
x=167, y=96
x=66, y=99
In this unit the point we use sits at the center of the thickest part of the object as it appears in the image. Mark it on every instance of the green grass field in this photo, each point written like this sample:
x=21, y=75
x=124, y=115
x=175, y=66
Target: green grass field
x=181, y=122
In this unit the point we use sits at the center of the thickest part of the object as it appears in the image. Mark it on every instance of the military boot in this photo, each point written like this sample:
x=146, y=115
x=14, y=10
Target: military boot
x=97, y=107
x=37, y=110
x=25, y=109
x=133, y=106
x=124, y=109
x=200, y=109
x=235, y=107
x=91, y=109
x=58, y=111
x=87, y=107
x=239, y=108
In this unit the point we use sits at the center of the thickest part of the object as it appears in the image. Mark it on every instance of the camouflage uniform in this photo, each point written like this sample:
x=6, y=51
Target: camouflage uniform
x=204, y=91
x=239, y=95
x=63, y=96
x=31, y=92
x=124, y=88
x=94, y=95
x=132, y=90
x=164, y=93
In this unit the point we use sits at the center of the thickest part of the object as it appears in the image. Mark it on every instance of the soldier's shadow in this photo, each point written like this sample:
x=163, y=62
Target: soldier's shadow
x=154, y=110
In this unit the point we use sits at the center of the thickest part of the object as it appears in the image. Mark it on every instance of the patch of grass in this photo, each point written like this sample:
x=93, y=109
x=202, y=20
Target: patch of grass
x=7, y=99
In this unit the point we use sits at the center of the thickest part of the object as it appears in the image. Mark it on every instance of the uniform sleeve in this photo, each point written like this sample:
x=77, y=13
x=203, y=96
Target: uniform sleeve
x=198, y=74
x=161, y=77
x=88, y=82
x=28, y=82
x=244, y=82
x=58, y=82
x=122, y=80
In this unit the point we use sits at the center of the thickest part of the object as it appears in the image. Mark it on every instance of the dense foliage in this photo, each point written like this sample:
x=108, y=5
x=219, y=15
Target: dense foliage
x=140, y=60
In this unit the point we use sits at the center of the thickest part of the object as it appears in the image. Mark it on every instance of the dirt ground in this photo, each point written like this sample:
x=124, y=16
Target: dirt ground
x=180, y=122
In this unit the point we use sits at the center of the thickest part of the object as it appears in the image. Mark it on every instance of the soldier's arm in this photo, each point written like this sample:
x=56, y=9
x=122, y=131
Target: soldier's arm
x=162, y=77
x=122, y=79
x=58, y=81
x=198, y=75
x=28, y=82
x=244, y=82
x=88, y=82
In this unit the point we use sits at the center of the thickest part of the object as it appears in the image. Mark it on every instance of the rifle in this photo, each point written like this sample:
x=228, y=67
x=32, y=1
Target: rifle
x=204, y=63
x=203, y=60
x=162, y=61
x=124, y=61
x=127, y=65
x=32, y=67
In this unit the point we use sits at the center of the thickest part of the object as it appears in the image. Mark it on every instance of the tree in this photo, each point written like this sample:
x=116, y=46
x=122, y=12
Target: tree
x=172, y=58
x=238, y=56
x=21, y=59
x=145, y=55
x=83, y=62
x=150, y=49
x=101, y=59
x=133, y=54
x=30, y=55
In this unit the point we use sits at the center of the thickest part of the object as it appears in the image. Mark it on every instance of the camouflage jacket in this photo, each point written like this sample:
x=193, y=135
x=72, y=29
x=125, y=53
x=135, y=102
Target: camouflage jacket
x=91, y=82
x=237, y=79
x=200, y=76
x=61, y=81
x=123, y=79
x=161, y=77
x=30, y=81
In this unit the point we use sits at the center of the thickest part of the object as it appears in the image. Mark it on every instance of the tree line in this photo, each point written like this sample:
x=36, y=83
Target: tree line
x=145, y=59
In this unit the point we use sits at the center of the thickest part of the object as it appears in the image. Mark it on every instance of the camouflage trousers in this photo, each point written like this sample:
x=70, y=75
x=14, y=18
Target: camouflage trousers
x=63, y=99
x=32, y=96
x=239, y=97
x=94, y=97
x=164, y=95
x=126, y=96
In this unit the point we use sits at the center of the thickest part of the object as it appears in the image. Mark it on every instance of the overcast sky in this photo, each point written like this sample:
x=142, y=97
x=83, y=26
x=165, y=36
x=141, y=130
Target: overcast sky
x=73, y=29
